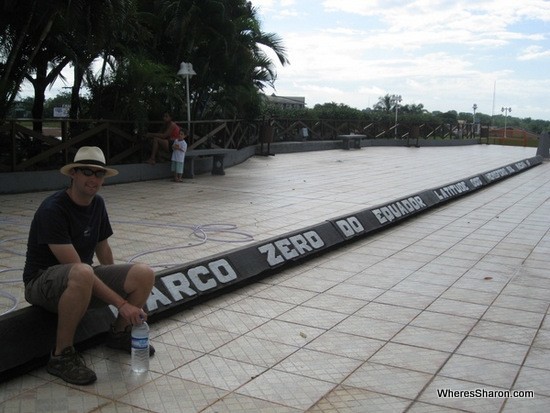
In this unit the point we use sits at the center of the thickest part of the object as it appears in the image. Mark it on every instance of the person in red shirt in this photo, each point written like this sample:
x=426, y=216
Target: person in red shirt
x=165, y=139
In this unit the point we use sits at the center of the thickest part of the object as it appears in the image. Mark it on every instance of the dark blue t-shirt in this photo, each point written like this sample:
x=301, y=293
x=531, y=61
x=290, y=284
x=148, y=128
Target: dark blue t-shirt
x=59, y=220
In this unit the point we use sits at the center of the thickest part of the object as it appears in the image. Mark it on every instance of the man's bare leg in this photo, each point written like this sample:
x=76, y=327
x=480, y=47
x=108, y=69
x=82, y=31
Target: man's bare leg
x=73, y=305
x=139, y=283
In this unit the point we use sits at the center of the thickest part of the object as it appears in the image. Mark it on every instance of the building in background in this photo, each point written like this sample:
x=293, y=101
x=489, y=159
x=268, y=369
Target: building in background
x=286, y=102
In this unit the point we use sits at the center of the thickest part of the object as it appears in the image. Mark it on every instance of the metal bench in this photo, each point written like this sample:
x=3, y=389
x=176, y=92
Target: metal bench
x=217, y=161
x=351, y=141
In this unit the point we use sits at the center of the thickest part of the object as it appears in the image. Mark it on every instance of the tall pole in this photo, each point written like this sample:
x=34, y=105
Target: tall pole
x=186, y=69
x=397, y=100
x=474, y=120
x=188, y=104
x=505, y=110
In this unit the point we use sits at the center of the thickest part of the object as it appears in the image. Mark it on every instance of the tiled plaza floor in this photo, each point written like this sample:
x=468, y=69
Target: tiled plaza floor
x=453, y=299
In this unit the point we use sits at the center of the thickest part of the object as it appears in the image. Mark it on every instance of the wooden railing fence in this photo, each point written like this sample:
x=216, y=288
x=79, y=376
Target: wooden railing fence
x=124, y=142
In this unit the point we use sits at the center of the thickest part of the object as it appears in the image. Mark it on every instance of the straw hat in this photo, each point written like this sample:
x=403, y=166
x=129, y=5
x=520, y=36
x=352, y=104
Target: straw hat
x=89, y=156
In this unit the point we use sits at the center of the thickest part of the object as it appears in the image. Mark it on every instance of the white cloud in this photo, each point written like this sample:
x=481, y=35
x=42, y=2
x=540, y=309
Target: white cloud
x=534, y=53
x=441, y=53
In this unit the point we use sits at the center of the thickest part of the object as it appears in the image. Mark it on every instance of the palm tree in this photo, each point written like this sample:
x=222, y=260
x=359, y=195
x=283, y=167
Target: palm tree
x=387, y=103
x=23, y=28
x=222, y=39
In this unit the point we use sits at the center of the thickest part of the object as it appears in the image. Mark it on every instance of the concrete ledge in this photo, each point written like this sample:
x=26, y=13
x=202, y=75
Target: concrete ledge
x=20, y=182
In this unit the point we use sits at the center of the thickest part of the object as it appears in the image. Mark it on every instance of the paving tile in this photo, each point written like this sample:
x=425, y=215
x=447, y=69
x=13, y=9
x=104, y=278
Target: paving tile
x=286, y=333
x=538, y=357
x=428, y=338
x=419, y=407
x=356, y=347
x=444, y=322
x=319, y=365
x=244, y=404
x=355, y=400
x=230, y=321
x=419, y=287
x=410, y=357
x=285, y=294
x=458, y=308
x=504, y=332
x=312, y=317
x=529, y=405
x=487, y=372
x=526, y=291
x=309, y=283
x=20, y=385
x=405, y=299
x=170, y=394
x=117, y=407
x=260, y=307
x=369, y=327
x=373, y=278
x=522, y=303
x=218, y=372
x=53, y=397
x=167, y=357
x=515, y=317
x=469, y=295
x=287, y=389
x=329, y=302
x=535, y=379
x=394, y=313
x=255, y=351
x=493, y=350
x=359, y=292
x=388, y=380
x=542, y=339
x=197, y=338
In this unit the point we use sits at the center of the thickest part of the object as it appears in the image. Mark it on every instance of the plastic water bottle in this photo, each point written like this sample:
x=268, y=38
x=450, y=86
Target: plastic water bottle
x=140, y=348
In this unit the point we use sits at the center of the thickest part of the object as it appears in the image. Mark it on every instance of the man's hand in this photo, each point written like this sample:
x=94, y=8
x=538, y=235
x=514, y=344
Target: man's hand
x=132, y=314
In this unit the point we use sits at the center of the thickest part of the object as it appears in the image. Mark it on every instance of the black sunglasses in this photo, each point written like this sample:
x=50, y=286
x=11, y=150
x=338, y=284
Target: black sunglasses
x=89, y=172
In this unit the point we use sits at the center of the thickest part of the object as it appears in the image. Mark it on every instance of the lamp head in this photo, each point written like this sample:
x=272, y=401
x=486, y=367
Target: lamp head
x=186, y=69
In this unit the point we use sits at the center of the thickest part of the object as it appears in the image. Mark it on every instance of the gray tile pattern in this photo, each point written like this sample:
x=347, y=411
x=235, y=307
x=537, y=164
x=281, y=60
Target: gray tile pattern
x=456, y=298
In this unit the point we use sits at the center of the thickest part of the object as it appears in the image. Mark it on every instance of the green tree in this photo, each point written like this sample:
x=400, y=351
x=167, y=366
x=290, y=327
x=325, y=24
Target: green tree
x=24, y=25
x=336, y=111
x=387, y=103
x=62, y=99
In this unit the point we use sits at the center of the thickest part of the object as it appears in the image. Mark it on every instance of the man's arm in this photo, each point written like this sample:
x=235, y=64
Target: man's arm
x=104, y=253
x=65, y=253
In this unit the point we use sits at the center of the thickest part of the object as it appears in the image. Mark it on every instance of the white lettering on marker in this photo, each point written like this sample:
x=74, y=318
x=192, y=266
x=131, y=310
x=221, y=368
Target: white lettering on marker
x=398, y=209
x=285, y=249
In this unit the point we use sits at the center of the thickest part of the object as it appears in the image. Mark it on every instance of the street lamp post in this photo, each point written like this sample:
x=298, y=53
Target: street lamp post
x=397, y=101
x=505, y=110
x=186, y=70
x=474, y=119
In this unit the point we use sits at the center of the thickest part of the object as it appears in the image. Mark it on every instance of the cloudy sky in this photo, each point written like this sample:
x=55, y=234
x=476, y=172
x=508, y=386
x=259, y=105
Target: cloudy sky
x=445, y=54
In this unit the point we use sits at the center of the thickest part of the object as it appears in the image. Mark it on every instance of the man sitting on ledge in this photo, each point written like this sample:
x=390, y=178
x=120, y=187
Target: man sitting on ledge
x=67, y=229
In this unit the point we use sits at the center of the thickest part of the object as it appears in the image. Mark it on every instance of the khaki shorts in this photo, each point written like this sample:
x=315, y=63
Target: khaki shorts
x=46, y=289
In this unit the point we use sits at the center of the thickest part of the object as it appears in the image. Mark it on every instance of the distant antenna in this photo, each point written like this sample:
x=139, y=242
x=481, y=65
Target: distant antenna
x=494, y=94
